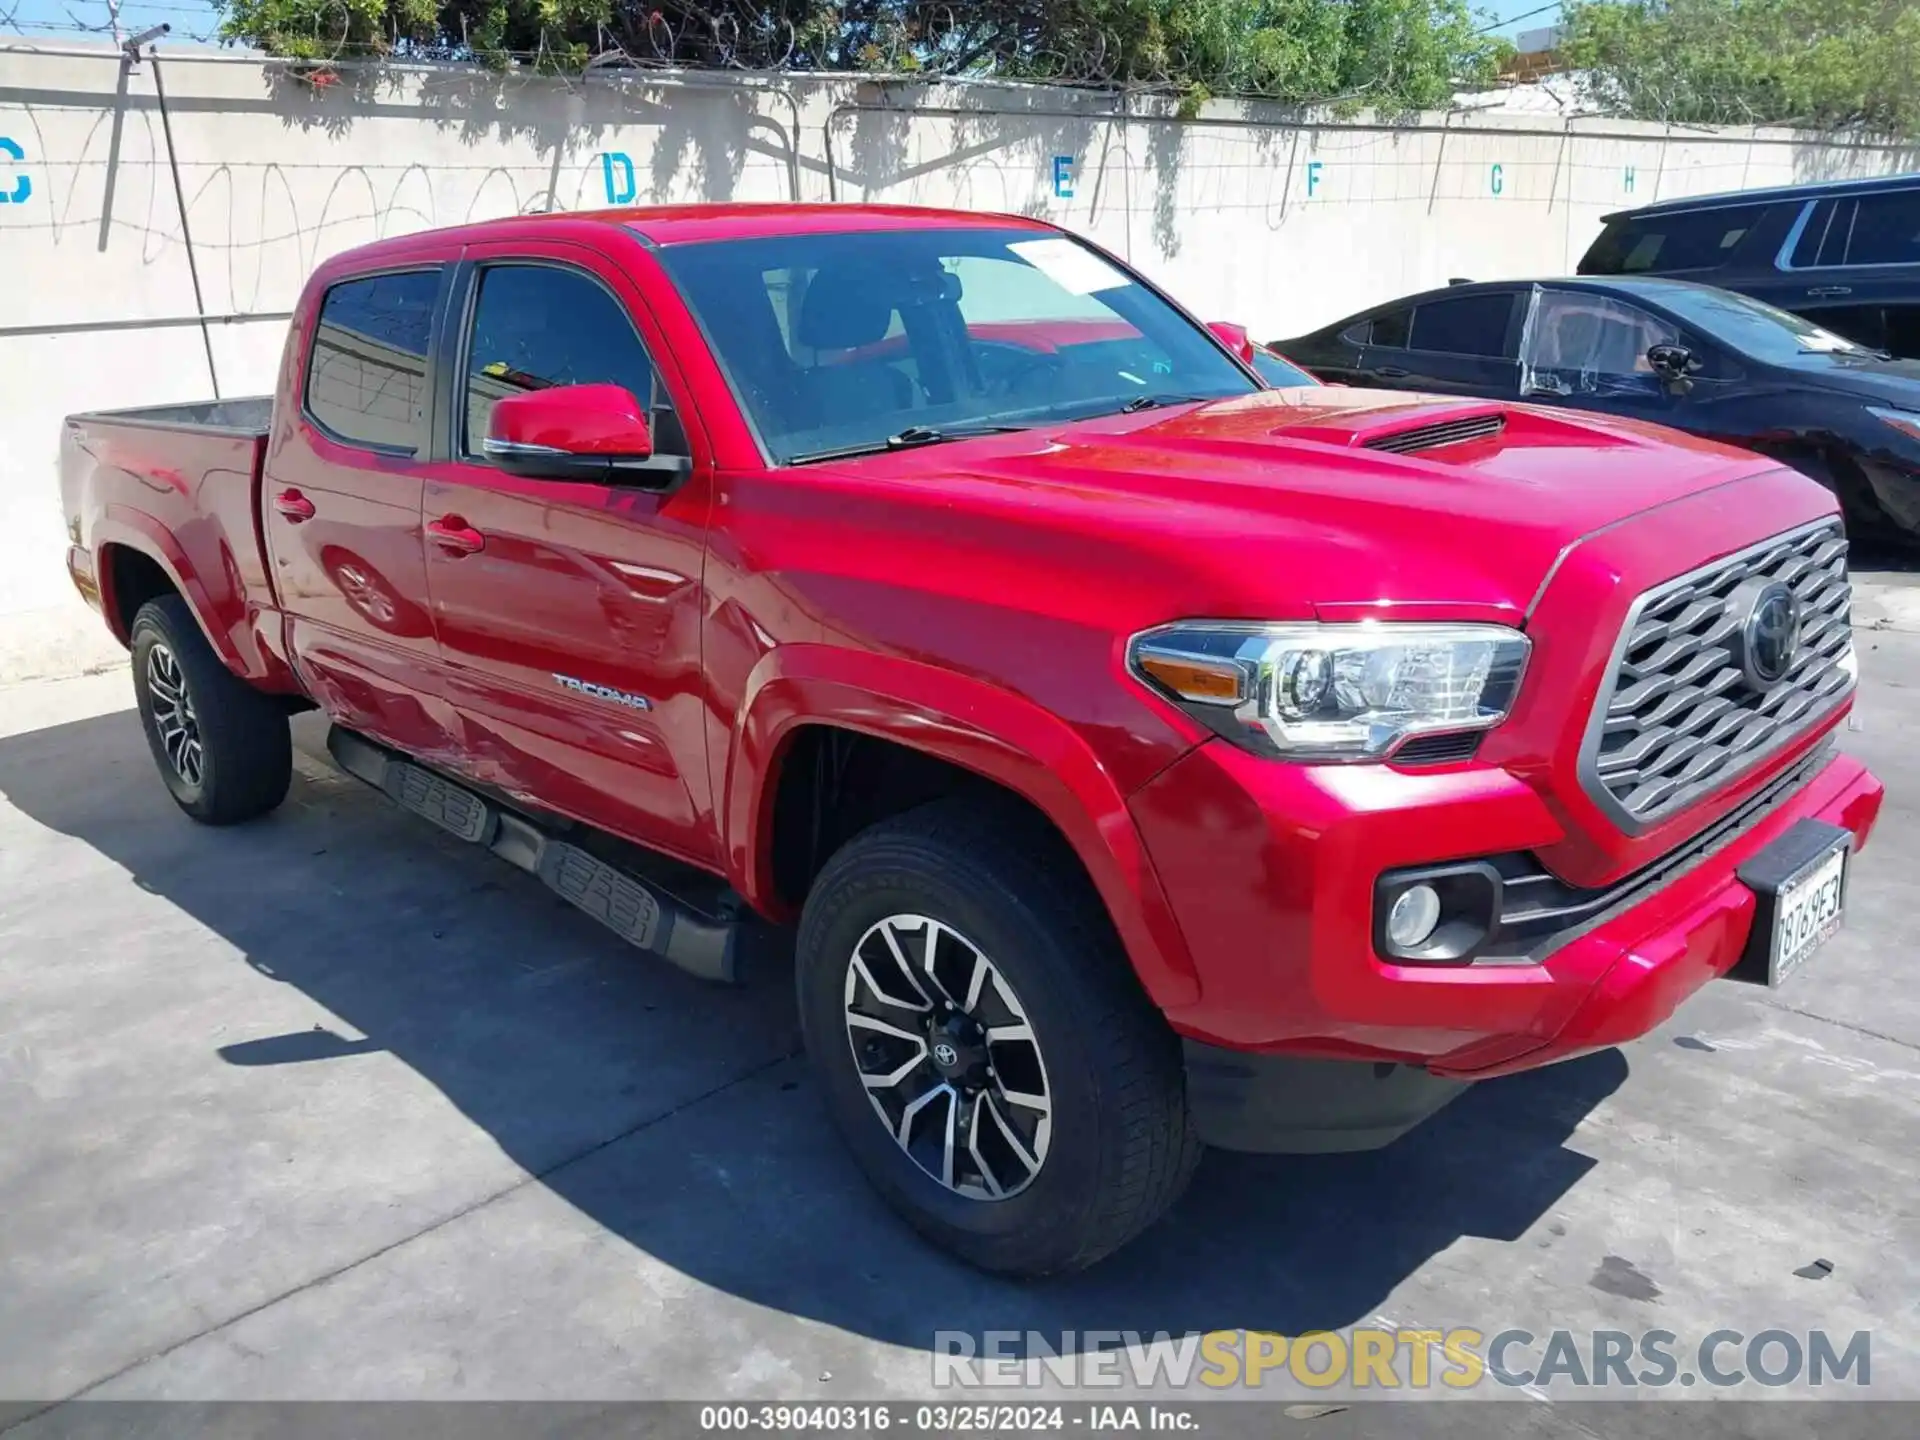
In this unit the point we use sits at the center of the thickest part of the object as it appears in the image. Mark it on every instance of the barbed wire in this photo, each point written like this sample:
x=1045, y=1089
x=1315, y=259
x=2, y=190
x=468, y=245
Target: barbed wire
x=1075, y=43
x=1062, y=42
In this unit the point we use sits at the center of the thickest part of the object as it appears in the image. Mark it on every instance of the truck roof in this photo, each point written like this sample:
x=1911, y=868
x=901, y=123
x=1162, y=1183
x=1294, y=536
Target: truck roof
x=681, y=224
x=677, y=224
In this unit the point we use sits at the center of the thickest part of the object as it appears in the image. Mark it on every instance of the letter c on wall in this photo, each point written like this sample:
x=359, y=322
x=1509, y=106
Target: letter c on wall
x=22, y=182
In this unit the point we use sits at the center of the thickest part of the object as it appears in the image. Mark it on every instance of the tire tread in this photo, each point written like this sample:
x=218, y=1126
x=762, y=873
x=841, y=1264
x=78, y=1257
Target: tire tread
x=245, y=733
x=1154, y=1150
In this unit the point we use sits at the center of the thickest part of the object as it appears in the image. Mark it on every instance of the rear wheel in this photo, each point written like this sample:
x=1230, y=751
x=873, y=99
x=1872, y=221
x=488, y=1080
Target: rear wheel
x=223, y=749
x=984, y=1049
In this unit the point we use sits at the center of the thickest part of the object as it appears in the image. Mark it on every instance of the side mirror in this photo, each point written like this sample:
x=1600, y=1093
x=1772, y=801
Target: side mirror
x=1674, y=365
x=579, y=432
x=1235, y=337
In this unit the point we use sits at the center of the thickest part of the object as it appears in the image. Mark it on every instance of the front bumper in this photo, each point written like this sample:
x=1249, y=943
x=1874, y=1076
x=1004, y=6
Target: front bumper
x=1270, y=871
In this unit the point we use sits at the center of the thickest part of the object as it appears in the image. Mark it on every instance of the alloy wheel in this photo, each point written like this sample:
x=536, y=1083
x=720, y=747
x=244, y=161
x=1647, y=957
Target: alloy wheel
x=949, y=1059
x=173, y=716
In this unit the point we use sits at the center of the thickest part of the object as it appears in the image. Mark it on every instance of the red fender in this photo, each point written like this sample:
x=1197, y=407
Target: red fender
x=968, y=723
x=211, y=603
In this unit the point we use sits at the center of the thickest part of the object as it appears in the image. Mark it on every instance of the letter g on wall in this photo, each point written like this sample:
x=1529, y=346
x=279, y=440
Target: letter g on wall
x=22, y=186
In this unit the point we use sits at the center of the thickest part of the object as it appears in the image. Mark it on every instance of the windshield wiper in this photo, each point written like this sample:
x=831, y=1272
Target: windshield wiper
x=932, y=435
x=1154, y=402
x=910, y=438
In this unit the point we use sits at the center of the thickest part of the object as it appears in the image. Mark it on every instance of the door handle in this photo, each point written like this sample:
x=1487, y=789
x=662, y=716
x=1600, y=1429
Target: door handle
x=1389, y=372
x=1822, y=291
x=455, y=536
x=295, y=506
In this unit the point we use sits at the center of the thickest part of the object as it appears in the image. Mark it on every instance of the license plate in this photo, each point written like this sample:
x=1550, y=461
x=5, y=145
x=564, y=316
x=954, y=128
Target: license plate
x=1808, y=914
x=1800, y=891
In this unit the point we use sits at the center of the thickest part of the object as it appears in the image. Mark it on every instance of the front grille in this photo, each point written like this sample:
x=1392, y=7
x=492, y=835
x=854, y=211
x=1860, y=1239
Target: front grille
x=1680, y=716
x=1540, y=912
x=1432, y=437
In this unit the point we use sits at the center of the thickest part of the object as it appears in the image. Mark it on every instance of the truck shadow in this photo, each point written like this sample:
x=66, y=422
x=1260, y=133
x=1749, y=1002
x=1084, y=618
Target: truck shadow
x=677, y=1117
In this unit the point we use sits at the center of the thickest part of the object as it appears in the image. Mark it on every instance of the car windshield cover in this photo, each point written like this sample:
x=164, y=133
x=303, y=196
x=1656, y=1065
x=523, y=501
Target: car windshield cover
x=842, y=343
x=1753, y=327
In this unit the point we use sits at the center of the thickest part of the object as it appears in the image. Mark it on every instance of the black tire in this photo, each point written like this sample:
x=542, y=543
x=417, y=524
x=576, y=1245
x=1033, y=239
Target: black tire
x=1121, y=1148
x=244, y=747
x=1860, y=509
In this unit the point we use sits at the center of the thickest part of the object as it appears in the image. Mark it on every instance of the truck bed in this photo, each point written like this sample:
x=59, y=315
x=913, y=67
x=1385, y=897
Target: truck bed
x=176, y=485
x=250, y=415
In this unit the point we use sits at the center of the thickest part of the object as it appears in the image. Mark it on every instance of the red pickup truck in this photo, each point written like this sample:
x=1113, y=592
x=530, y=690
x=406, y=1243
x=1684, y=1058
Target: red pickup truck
x=1147, y=756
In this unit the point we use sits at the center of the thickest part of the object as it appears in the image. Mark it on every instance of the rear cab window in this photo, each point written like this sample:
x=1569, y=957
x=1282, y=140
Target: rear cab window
x=1670, y=241
x=366, y=379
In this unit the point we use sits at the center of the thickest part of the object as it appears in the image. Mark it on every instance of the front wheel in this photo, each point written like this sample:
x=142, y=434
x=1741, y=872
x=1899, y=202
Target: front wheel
x=984, y=1049
x=224, y=749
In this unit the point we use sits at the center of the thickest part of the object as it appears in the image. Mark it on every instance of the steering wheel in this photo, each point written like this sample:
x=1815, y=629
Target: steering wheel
x=1022, y=364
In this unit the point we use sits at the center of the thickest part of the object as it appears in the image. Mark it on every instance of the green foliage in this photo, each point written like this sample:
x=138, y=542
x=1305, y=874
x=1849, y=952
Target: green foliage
x=1397, y=55
x=1821, y=63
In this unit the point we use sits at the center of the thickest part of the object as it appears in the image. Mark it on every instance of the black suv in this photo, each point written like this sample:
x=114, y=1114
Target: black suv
x=1845, y=254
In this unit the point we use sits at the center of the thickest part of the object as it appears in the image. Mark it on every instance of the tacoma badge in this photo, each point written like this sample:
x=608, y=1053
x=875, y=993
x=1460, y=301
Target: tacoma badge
x=604, y=692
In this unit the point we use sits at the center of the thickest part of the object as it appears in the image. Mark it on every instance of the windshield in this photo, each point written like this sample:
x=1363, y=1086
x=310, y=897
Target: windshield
x=1753, y=327
x=1279, y=372
x=846, y=342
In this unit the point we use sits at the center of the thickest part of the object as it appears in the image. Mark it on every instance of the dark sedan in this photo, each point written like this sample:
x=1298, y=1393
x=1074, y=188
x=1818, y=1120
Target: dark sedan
x=1690, y=356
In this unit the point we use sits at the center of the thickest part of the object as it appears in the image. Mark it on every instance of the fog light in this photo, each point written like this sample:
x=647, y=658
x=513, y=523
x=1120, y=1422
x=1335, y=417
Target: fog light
x=1413, y=916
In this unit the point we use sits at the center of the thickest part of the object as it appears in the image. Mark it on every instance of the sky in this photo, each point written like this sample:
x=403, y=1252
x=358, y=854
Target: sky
x=50, y=21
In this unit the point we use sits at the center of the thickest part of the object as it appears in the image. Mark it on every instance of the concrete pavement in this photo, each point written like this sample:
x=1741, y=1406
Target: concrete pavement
x=331, y=1106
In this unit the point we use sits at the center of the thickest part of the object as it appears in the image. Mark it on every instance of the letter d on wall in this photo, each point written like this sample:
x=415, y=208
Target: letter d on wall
x=620, y=192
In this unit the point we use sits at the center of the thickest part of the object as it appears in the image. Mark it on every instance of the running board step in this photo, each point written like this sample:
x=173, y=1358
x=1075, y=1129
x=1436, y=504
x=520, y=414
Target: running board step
x=637, y=910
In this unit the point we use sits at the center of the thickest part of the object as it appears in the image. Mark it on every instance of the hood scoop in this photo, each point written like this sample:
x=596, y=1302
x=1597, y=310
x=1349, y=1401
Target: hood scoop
x=1435, y=436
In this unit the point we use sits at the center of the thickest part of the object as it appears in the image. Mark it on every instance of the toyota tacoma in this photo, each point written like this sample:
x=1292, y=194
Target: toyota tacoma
x=1139, y=756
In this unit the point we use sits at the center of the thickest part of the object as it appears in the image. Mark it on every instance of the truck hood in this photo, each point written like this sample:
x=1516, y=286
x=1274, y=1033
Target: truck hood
x=1301, y=501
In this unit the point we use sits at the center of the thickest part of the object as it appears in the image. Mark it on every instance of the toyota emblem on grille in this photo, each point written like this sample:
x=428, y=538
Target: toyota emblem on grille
x=1770, y=635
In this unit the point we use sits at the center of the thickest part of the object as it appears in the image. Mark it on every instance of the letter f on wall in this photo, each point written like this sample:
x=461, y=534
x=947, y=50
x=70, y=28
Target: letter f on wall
x=22, y=183
x=622, y=191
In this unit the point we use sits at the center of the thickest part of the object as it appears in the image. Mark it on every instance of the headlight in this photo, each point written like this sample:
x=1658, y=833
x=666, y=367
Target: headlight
x=1333, y=692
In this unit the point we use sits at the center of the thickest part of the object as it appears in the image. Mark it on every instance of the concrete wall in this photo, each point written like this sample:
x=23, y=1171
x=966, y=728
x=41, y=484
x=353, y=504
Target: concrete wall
x=1244, y=213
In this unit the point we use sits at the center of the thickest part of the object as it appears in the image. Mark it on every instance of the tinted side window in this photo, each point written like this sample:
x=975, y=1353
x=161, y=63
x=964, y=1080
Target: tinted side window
x=537, y=326
x=367, y=373
x=1469, y=325
x=1690, y=240
x=1886, y=230
x=1823, y=240
x=1390, y=330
